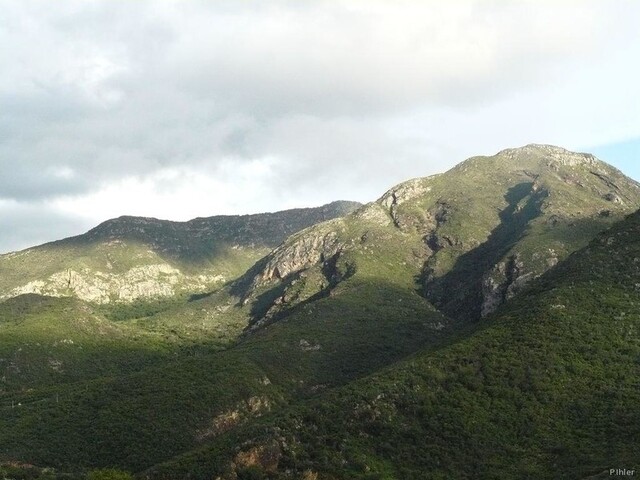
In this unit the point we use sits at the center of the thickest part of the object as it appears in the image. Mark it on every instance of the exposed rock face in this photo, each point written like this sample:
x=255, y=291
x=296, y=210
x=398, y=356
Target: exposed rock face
x=375, y=213
x=267, y=457
x=550, y=195
x=307, y=346
x=252, y=407
x=403, y=193
x=308, y=263
x=304, y=251
x=466, y=229
x=612, y=197
x=406, y=192
x=144, y=282
x=503, y=283
x=436, y=218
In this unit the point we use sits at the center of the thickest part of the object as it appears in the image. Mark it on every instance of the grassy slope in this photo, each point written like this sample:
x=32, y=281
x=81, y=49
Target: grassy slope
x=521, y=203
x=376, y=254
x=546, y=388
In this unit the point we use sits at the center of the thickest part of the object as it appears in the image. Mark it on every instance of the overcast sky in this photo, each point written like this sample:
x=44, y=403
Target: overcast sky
x=195, y=108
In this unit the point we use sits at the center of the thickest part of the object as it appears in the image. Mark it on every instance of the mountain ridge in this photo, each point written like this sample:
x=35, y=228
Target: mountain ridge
x=129, y=258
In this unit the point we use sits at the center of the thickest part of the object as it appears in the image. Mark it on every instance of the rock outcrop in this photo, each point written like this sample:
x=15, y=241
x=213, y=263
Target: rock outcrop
x=144, y=282
x=505, y=280
x=303, y=252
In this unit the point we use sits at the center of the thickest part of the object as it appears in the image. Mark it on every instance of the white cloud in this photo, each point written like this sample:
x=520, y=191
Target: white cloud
x=228, y=190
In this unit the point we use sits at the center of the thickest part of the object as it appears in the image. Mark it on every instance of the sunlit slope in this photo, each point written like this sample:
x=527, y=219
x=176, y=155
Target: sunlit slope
x=469, y=239
x=347, y=298
x=371, y=318
x=134, y=258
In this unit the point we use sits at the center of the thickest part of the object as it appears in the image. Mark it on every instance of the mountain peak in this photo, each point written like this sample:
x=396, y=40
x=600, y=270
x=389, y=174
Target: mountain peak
x=559, y=155
x=536, y=159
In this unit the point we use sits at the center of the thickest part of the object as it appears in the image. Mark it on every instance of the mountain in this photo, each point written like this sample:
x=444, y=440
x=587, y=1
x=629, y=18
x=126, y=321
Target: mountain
x=452, y=270
x=473, y=237
x=545, y=388
x=134, y=258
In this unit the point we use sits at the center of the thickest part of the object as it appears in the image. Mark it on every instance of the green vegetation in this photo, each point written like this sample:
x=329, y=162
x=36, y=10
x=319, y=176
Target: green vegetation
x=144, y=417
x=108, y=474
x=546, y=388
x=140, y=309
x=48, y=342
x=475, y=235
x=362, y=347
x=16, y=471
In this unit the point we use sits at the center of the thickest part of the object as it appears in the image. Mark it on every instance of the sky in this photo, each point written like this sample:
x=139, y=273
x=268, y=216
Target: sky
x=186, y=108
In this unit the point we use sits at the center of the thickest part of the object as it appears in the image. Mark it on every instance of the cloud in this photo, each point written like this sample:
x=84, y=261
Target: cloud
x=181, y=107
x=24, y=225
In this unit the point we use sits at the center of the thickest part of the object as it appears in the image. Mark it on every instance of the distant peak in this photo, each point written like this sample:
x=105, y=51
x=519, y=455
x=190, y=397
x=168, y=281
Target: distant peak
x=343, y=203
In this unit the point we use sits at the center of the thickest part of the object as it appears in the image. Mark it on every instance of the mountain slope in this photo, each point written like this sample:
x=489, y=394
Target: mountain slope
x=154, y=413
x=131, y=258
x=336, y=302
x=371, y=319
x=472, y=237
x=46, y=342
x=547, y=387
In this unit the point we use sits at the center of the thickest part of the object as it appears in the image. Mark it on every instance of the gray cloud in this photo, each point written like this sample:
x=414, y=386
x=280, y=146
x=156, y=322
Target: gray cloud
x=29, y=224
x=341, y=98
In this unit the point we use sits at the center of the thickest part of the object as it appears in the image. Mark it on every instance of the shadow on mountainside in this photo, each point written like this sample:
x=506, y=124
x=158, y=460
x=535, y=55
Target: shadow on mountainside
x=458, y=293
